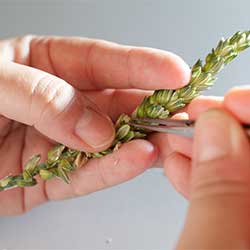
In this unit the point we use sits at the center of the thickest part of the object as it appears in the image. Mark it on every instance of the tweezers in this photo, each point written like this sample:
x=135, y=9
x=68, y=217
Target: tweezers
x=183, y=127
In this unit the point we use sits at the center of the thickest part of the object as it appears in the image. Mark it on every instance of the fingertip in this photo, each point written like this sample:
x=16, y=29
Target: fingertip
x=238, y=90
x=157, y=69
x=174, y=72
x=142, y=151
x=237, y=102
x=160, y=141
x=181, y=72
x=219, y=140
x=202, y=104
x=132, y=159
x=177, y=168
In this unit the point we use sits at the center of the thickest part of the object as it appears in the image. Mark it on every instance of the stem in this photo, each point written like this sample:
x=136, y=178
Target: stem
x=63, y=160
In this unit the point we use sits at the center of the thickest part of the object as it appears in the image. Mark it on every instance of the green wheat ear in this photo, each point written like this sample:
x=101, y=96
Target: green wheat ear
x=63, y=160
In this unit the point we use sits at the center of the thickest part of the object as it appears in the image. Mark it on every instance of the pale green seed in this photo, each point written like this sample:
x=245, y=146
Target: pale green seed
x=27, y=175
x=130, y=135
x=122, y=131
x=55, y=153
x=31, y=165
x=65, y=165
x=97, y=155
x=160, y=105
x=46, y=174
x=63, y=175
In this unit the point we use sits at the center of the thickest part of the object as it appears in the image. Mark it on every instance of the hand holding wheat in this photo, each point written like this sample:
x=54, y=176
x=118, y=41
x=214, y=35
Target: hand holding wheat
x=61, y=159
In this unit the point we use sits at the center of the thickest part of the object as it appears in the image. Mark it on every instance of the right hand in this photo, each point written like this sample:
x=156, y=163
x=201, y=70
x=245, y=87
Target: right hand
x=219, y=202
x=177, y=154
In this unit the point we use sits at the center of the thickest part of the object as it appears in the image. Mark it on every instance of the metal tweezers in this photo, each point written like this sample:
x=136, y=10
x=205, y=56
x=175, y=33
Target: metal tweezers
x=179, y=127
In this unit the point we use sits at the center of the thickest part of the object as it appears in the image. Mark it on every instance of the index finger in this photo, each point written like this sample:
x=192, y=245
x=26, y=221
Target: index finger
x=237, y=102
x=91, y=64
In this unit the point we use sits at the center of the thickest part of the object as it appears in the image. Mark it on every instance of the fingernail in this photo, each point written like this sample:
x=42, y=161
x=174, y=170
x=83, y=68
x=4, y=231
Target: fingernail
x=213, y=136
x=94, y=128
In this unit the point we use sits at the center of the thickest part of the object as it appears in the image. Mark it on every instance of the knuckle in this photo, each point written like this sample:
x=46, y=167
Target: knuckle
x=89, y=68
x=220, y=181
x=217, y=187
x=103, y=175
x=50, y=96
x=77, y=190
x=16, y=49
x=24, y=39
x=21, y=47
x=129, y=55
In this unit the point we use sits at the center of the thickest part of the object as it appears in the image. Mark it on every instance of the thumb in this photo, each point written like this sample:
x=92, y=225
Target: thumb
x=53, y=107
x=218, y=215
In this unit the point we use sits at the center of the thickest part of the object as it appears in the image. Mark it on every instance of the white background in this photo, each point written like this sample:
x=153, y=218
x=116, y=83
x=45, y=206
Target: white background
x=145, y=213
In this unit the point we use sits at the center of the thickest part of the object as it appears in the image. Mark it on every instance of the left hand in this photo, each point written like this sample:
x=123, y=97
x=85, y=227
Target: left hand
x=114, y=77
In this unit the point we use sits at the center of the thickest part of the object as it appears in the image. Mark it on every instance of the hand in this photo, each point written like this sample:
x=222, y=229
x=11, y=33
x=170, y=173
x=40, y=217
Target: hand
x=177, y=156
x=218, y=214
x=51, y=90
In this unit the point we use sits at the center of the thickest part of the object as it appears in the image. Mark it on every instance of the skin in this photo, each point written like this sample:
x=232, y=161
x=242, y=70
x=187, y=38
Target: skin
x=49, y=84
x=213, y=172
x=46, y=88
x=219, y=184
x=178, y=154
